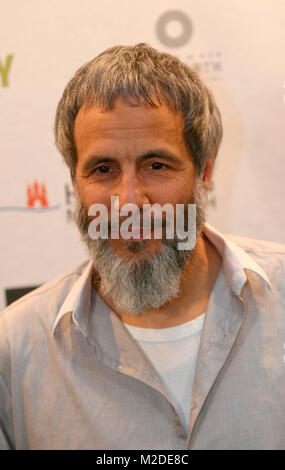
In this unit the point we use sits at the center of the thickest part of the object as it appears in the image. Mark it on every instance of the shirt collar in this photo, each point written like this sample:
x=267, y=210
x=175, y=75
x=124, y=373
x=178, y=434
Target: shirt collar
x=78, y=300
x=235, y=262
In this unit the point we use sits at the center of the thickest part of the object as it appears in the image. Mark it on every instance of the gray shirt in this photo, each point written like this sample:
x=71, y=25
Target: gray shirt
x=72, y=377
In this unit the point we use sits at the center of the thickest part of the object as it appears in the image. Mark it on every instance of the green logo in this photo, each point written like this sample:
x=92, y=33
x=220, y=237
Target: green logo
x=5, y=70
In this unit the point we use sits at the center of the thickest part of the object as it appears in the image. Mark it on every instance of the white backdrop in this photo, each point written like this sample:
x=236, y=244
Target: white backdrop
x=236, y=46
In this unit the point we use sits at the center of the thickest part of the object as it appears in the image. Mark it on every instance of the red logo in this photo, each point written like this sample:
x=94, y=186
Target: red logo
x=37, y=192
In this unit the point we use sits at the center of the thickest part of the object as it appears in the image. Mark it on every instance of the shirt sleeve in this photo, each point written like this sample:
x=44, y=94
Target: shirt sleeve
x=6, y=414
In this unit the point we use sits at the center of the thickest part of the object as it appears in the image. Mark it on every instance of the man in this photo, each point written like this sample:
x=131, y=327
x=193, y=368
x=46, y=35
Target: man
x=145, y=345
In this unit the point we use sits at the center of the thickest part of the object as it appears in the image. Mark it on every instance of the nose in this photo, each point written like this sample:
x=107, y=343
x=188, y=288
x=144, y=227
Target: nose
x=131, y=190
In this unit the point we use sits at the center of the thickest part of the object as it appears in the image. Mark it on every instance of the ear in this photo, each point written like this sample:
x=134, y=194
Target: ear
x=208, y=172
x=73, y=181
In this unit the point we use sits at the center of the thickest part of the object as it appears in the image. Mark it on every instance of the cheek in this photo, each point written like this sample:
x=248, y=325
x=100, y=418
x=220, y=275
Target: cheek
x=90, y=194
x=178, y=193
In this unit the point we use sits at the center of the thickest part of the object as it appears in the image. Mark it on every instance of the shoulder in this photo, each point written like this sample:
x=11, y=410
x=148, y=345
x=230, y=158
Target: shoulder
x=260, y=250
x=269, y=255
x=42, y=304
x=257, y=246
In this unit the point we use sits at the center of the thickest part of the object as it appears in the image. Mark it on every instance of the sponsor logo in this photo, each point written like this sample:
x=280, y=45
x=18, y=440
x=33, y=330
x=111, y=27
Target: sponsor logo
x=69, y=199
x=212, y=200
x=209, y=63
x=174, y=29
x=5, y=67
x=37, y=193
x=168, y=19
x=36, y=200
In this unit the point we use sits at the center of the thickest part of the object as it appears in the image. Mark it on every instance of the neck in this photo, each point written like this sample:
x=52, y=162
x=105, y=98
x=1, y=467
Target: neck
x=197, y=281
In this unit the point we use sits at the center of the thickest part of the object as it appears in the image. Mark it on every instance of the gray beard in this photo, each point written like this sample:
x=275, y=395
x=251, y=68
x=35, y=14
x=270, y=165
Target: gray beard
x=137, y=285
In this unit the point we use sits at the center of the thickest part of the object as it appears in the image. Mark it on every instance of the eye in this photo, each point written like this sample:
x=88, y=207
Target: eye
x=102, y=169
x=158, y=165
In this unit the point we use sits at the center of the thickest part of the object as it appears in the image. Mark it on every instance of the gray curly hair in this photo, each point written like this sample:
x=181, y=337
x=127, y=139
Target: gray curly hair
x=140, y=75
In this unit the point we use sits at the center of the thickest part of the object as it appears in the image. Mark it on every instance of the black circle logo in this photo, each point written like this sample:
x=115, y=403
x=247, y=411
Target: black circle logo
x=186, y=30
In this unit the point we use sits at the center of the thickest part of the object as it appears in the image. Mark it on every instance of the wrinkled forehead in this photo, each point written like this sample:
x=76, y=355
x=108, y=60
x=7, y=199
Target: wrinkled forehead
x=128, y=121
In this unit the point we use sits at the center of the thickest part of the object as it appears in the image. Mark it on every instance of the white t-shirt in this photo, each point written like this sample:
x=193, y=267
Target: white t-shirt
x=173, y=353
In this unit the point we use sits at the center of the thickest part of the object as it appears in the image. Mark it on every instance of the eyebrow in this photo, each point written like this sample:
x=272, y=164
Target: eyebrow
x=164, y=154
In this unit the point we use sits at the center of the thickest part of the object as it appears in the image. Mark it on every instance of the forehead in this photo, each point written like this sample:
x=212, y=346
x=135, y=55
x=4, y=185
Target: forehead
x=124, y=122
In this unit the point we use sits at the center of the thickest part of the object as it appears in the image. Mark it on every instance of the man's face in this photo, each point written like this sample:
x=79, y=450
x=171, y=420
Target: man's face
x=138, y=154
